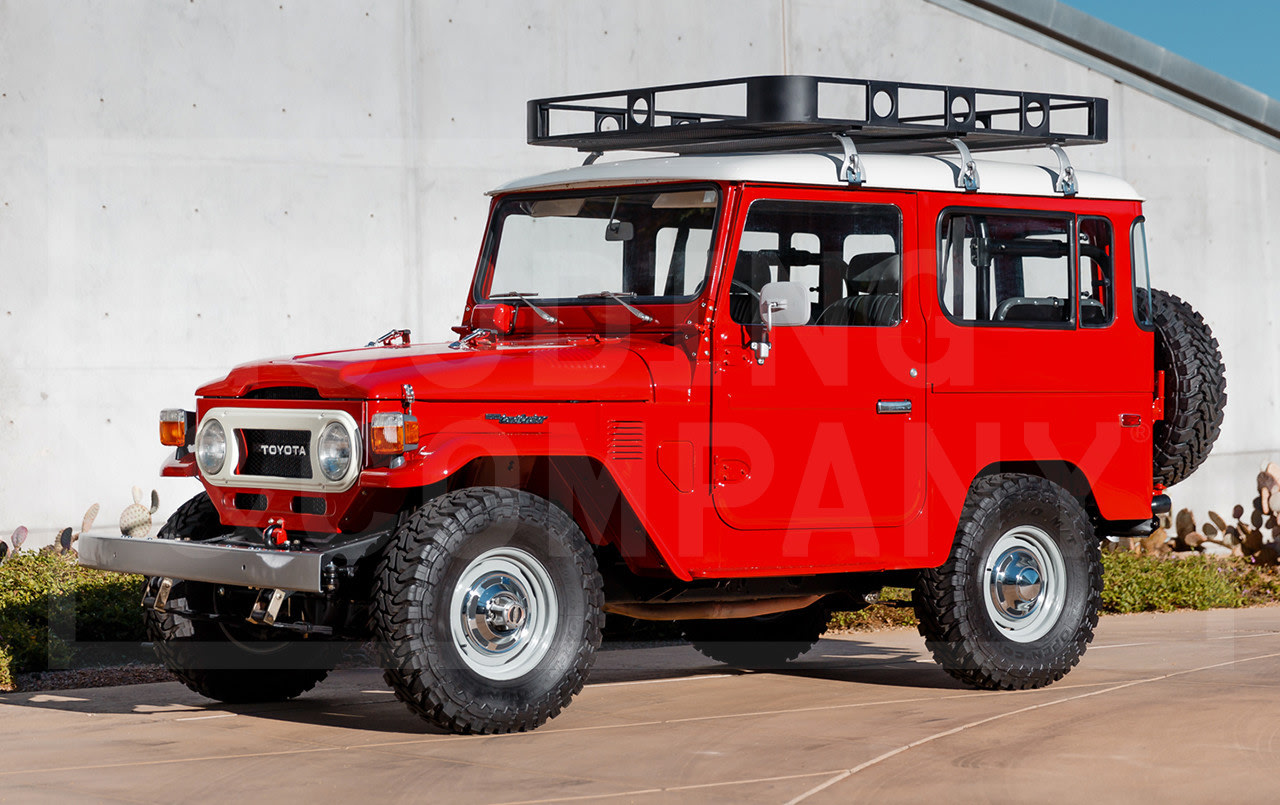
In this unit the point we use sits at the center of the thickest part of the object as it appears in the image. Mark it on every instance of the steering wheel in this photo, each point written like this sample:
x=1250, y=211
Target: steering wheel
x=740, y=284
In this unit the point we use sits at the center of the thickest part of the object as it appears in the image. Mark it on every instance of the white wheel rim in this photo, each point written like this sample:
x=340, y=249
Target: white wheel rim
x=1024, y=577
x=503, y=614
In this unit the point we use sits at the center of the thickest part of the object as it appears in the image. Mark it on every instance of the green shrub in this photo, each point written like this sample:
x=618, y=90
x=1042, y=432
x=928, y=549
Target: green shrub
x=1131, y=583
x=55, y=614
x=1148, y=583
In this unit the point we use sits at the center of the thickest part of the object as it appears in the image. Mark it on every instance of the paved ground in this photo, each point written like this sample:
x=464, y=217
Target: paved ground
x=1180, y=707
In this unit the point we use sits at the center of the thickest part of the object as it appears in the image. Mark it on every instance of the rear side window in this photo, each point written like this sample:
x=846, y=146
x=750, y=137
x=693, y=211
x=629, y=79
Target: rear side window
x=1006, y=269
x=1097, y=304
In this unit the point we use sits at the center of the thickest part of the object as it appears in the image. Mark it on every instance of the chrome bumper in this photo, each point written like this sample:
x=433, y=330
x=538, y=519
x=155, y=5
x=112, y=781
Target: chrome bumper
x=300, y=571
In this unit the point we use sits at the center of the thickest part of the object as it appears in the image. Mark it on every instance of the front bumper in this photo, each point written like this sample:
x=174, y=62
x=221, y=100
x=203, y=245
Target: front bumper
x=310, y=571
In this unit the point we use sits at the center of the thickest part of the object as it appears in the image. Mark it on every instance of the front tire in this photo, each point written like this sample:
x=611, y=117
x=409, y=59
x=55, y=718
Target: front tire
x=488, y=607
x=1016, y=604
x=227, y=662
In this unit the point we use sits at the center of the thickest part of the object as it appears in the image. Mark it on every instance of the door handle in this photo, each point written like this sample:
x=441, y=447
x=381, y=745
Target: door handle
x=893, y=406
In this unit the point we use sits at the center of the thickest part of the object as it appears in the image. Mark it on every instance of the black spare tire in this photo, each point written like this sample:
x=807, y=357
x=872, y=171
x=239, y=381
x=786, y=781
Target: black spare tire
x=1195, y=388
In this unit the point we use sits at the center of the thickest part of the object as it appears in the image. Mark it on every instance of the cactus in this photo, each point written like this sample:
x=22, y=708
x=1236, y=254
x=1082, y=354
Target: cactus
x=92, y=514
x=64, y=540
x=19, y=537
x=135, y=520
x=4, y=551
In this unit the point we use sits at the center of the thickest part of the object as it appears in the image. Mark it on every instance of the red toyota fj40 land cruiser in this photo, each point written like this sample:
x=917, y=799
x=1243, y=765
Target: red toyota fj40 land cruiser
x=819, y=351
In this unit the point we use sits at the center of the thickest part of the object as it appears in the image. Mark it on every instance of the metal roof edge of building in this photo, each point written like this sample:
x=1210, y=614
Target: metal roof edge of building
x=1202, y=91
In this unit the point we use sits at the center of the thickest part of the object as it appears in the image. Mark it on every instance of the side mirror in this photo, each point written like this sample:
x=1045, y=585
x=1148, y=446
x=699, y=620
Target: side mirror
x=619, y=230
x=782, y=304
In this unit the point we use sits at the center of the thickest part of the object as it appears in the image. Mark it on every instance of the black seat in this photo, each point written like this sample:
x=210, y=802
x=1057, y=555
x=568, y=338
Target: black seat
x=873, y=282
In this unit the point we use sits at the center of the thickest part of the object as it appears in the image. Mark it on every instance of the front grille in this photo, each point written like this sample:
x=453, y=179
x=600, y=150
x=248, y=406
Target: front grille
x=276, y=453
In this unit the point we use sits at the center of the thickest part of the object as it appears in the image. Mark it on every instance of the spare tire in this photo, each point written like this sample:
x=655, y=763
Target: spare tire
x=1195, y=388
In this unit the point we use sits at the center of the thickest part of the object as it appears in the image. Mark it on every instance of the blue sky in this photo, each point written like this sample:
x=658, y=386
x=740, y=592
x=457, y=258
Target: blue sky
x=1238, y=38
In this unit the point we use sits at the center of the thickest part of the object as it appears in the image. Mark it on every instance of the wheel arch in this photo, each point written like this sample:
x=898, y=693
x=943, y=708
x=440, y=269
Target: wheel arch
x=584, y=488
x=1065, y=474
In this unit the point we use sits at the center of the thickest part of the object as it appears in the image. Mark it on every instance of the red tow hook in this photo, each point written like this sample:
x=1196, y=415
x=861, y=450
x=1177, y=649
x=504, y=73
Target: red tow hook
x=275, y=536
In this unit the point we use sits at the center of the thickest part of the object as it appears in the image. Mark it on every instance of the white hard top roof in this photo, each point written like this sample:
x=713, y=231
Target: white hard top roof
x=881, y=171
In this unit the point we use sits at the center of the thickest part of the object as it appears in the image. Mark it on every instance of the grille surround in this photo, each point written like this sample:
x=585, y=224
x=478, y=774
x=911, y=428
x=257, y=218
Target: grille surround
x=241, y=470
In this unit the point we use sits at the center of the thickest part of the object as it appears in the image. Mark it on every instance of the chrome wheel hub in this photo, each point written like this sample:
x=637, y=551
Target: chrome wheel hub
x=1025, y=578
x=503, y=613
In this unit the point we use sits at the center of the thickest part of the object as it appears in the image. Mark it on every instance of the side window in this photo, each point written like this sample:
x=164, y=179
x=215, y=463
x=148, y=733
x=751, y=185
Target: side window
x=1097, y=303
x=848, y=257
x=1001, y=269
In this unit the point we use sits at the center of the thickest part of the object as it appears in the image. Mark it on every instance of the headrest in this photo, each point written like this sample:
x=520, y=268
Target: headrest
x=874, y=273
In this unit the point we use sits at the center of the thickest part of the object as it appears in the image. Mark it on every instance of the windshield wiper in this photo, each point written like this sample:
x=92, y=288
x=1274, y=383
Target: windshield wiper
x=523, y=296
x=620, y=299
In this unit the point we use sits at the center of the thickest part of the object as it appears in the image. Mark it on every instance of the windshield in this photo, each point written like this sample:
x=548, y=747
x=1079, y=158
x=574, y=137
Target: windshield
x=650, y=246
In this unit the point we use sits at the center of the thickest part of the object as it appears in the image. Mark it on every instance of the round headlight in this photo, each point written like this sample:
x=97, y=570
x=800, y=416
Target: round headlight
x=211, y=447
x=335, y=451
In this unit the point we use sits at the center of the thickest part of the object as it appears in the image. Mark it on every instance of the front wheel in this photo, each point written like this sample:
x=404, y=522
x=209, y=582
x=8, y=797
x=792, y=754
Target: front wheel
x=227, y=661
x=488, y=607
x=1015, y=605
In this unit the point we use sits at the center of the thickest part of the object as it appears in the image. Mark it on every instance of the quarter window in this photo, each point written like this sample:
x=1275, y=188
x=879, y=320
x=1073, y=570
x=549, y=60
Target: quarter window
x=1011, y=270
x=1141, y=275
x=1097, y=303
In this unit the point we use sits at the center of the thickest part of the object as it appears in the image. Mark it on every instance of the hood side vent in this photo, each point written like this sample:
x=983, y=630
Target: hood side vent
x=626, y=440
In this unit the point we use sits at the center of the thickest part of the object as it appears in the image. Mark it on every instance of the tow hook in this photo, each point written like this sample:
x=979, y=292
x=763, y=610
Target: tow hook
x=275, y=536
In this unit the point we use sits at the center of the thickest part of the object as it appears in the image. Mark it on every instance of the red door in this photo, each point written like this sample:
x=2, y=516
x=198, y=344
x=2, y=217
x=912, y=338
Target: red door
x=827, y=431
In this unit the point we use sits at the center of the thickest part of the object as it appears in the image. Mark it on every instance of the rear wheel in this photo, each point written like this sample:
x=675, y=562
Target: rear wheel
x=228, y=662
x=1016, y=603
x=767, y=641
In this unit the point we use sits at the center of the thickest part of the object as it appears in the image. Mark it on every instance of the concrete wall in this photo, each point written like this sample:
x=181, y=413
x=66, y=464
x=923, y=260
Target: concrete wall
x=189, y=185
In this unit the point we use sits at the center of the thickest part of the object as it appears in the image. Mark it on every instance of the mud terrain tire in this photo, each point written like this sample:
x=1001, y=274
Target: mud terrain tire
x=987, y=621
x=228, y=664
x=1195, y=389
x=488, y=608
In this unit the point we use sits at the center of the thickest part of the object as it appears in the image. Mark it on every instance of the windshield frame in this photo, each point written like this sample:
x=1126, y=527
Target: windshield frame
x=481, y=289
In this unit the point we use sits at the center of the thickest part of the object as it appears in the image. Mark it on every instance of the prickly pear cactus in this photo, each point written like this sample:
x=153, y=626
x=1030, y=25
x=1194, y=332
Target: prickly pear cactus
x=135, y=520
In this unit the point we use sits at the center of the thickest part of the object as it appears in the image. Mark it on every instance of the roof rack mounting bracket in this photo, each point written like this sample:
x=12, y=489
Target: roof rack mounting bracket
x=851, y=167
x=592, y=157
x=967, y=180
x=1066, y=184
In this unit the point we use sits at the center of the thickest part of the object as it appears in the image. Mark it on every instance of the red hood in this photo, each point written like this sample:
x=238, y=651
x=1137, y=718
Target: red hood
x=568, y=369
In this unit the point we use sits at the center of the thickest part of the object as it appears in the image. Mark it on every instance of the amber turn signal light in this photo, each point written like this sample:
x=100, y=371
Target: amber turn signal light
x=390, y=434
x=175, y=426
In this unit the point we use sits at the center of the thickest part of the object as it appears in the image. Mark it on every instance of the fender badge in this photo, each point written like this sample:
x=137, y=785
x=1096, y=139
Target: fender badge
x=518, y=419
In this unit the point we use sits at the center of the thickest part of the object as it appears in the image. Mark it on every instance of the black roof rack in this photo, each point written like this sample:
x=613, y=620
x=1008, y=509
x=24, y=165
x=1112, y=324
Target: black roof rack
x=800, y=112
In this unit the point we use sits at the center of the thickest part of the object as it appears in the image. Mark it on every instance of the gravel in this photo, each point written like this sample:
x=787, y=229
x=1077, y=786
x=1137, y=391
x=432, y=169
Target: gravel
x=92, y=678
